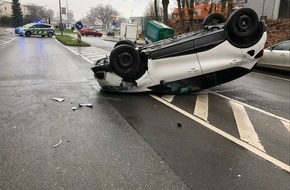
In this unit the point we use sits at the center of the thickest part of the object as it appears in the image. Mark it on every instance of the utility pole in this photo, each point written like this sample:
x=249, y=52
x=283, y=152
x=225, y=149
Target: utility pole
x=67, y=13
x=61, y=25
x=263, y=16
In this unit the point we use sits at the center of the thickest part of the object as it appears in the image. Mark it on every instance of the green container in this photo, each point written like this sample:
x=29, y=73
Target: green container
x=156, y=31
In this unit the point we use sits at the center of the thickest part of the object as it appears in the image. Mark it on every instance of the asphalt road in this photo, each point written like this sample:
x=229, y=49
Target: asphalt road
x=47, y=145
x=132, y=141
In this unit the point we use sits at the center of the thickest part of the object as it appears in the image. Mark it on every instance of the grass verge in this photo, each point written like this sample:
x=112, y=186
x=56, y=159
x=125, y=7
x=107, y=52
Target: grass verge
x=70, y=41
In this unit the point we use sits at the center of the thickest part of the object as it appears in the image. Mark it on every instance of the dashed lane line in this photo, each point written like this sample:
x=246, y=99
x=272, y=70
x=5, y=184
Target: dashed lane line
x=168, y=98
x=247, y=146
x=245, y=127
x=252, y=107
x=201, y=106
x=287, y=125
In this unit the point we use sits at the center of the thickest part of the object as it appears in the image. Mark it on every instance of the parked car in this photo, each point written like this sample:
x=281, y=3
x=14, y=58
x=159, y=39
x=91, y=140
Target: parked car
x=92, y=32
x=222, y=51
x=35, y=29
x=277, y=56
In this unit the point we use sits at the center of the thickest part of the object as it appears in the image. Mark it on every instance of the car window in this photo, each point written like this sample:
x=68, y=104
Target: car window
x=46, y=26
x=282, y=46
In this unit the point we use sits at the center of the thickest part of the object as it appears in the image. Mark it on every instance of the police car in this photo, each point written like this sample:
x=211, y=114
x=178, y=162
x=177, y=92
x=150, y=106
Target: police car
x=40, y=29
x=224, y=50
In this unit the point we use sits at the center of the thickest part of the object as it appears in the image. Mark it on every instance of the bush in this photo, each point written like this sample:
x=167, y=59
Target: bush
x=5, y=21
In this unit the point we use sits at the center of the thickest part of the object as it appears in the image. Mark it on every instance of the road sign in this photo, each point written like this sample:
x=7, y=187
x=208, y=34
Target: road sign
x=79, y=25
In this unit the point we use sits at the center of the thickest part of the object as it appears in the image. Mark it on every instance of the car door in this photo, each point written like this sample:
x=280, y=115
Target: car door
x=33, y=29
x=221, y=57
x=40, y=29
x=286, y=54
x=277, y=55
x=91, y=31
x=176, y=61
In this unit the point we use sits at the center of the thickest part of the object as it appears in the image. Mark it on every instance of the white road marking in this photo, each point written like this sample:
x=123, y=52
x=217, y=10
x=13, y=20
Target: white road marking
x=79, y=54
x=286, y=124
x=271, y=76
x=201, y=106
x=90, y=54
x=226, y=135
x=245, y=127
x=168, y=98
x=8, y=41
x=252, y=107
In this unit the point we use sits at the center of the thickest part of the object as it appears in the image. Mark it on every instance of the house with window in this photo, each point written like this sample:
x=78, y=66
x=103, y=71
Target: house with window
x=6, y=8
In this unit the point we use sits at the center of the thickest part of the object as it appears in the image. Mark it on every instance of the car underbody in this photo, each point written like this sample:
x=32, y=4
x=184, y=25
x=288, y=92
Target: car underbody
x=222, y=51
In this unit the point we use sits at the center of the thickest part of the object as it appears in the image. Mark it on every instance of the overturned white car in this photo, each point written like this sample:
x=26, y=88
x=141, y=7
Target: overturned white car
x=222, y=51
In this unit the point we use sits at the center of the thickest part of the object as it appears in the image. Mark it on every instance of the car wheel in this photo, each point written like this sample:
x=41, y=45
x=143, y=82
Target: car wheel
x=125, y=61
x=28, y=34
x=243, y=22
x=213, y=19
x=50, y=34
x=127, y=42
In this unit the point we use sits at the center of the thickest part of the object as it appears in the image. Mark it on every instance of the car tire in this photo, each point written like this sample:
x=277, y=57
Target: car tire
x=125, y=61
x=28, y=34
x=127, y=42
x=49, y=34
x=213, y=19
x=243, y=22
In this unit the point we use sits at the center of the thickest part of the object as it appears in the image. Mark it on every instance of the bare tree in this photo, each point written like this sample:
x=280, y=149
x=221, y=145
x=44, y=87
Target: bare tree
x=35, y=12
x=105, y=13
x=151, y=11
x=47, y=14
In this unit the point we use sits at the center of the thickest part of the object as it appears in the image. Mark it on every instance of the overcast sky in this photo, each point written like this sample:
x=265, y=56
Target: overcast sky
x=81, y=7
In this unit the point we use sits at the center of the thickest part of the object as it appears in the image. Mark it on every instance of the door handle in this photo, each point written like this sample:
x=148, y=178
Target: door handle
x=236, y=61
x=192, y=70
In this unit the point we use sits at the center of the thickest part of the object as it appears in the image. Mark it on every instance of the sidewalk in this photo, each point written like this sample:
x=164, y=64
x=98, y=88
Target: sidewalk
x=2, y=32
x=115, y=38
x=5, y=30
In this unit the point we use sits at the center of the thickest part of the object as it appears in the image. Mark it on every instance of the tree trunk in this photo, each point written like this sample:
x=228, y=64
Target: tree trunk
x=156, y=9
x=165, y=4
x=191, y=14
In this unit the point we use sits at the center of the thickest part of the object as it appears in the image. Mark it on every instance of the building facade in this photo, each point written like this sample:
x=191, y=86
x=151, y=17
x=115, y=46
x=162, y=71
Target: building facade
x=6, y=8
x=270, y=9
